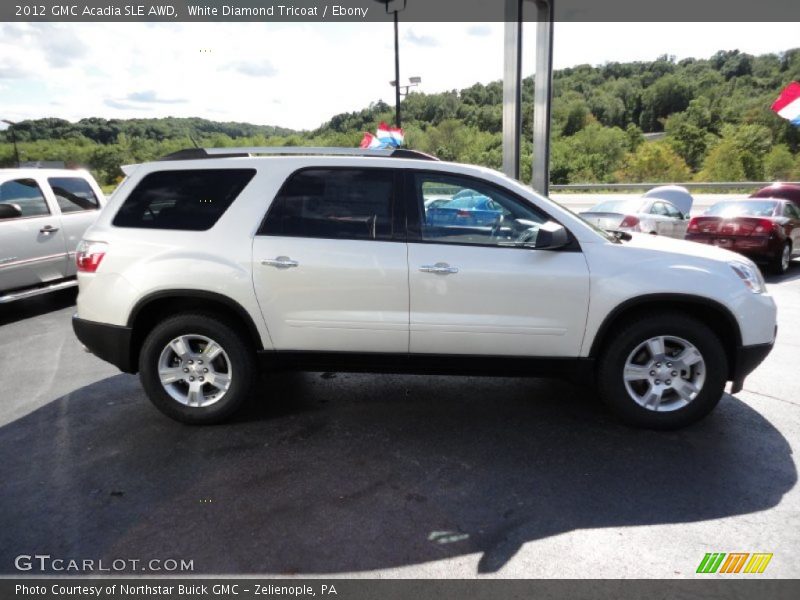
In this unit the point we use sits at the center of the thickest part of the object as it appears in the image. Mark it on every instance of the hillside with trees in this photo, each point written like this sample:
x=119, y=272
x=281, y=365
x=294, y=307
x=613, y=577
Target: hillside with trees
x=665, y=120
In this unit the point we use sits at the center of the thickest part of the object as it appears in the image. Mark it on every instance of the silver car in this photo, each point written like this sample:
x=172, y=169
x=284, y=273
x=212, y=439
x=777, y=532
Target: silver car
x=43, y=215
x=663, y=211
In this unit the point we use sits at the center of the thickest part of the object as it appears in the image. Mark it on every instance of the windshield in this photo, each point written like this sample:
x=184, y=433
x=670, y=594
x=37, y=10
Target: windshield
x=618, y=206
x=753, y=208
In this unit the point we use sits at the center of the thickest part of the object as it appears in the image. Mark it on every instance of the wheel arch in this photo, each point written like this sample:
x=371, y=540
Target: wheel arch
x=714, y=314
x=155, y=307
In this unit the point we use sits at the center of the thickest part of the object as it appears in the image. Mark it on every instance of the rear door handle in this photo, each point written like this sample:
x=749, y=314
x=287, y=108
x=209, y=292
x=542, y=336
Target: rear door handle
x=48, y=229
x=281, y=262
x=439, y=268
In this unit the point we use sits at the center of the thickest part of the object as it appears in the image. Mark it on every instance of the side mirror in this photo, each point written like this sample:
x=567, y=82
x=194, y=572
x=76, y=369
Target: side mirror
x=686, y=217
x=10, y=211
x=551, y=236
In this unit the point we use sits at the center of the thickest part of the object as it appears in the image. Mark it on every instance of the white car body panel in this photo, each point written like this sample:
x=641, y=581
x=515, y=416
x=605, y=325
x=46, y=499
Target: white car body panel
x=349, y=298
x=502, y=301
x=657, y=265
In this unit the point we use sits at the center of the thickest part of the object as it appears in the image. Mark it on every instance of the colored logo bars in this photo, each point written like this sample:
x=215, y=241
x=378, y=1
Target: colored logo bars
x=736, y=562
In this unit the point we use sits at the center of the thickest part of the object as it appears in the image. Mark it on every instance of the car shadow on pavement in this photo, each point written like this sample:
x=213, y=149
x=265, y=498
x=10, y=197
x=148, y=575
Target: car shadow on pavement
x=36, y=306
x=338, y=473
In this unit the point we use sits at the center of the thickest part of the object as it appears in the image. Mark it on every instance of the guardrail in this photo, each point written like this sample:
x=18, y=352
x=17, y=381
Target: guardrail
x=722, y=185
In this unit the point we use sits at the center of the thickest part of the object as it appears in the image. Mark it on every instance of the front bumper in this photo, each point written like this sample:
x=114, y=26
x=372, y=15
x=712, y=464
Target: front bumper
x=746, y=359
x=112, y=343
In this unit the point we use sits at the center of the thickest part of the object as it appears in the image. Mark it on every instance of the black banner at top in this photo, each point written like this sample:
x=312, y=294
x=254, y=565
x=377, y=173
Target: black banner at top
x=598, y=11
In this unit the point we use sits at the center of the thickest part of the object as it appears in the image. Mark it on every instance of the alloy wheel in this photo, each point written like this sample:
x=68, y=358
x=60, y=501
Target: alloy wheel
x=195, y=370
x=664, y=373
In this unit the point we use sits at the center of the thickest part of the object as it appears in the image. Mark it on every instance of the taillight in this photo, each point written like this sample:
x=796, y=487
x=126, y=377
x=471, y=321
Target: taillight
x=463, y=213
x=629, y=221
x=764, y=226
x=89, y=255
x=693, y=226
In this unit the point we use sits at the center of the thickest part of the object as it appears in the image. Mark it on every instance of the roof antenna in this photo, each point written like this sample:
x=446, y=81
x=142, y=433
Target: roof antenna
x=196, y=145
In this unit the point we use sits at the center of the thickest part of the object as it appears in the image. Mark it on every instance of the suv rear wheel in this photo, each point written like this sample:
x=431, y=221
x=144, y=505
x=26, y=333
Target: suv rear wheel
x=196, y=368
x=663, y=372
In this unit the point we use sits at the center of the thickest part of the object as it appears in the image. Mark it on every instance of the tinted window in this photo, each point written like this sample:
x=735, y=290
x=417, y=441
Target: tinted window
x=789, y=210
x=73, y=194
x=659, y=208
x=354, y=204
x=479, y=214
x=672, y=211
x=192, y=200
x=25, y=198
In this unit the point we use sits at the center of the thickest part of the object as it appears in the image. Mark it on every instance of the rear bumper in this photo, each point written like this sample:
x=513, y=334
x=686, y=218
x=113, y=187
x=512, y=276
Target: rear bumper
x=758, y=248
x=112, y=343
x=746, y=359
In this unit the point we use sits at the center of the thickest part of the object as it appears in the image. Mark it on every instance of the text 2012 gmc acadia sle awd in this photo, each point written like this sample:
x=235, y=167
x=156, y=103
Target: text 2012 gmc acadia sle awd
x=210, y=265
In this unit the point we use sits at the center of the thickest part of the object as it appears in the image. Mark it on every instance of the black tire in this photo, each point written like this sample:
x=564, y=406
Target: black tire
x=239, y=353
x=777, y=265
x=612, y=361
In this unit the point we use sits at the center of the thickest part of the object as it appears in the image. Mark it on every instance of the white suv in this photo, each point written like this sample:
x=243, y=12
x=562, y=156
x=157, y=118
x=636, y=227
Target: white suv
x=209, y=264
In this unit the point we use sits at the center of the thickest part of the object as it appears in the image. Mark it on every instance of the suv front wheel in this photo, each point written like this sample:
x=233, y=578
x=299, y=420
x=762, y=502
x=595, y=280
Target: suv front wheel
x=196, y=368
x=663, y=372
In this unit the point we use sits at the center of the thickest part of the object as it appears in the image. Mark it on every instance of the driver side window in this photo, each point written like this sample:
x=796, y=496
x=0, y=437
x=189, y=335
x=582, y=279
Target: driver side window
x=460, y=210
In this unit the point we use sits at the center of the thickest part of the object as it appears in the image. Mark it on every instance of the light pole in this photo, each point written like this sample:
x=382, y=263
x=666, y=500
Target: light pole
x=13, y=138
x=412, y=82
x=394, y=10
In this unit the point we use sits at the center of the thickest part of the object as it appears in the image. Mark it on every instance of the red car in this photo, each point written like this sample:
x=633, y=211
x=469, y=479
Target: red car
x=784, y=191
x=767, y=230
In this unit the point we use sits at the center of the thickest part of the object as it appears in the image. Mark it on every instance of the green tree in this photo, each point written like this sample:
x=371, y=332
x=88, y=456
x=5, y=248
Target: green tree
x=656, y=162
x=723, y=163
x=779, y=163
x=669, y=94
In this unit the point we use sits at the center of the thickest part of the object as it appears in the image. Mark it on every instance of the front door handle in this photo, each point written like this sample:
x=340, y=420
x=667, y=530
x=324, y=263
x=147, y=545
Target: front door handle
x=48, y=229
x=281, y=262
x=439, y=268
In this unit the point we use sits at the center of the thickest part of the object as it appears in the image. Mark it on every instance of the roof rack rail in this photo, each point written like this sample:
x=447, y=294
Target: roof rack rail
x=196, y=153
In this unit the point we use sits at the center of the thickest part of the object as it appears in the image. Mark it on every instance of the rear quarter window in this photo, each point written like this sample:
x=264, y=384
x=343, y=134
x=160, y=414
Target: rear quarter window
x=73, y=194
x=188, y=199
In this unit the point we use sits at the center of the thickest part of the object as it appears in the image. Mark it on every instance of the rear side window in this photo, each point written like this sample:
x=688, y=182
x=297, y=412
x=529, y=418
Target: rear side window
x=24, y=199
x=353, y=204
x=191, y=200
x=73, y=194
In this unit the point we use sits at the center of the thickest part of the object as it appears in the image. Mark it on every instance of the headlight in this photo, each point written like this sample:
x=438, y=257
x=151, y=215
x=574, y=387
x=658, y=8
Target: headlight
x=750, y=276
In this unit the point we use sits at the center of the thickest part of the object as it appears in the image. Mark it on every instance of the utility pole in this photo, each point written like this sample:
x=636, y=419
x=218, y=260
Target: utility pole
x=13, y=139
x=394, y=10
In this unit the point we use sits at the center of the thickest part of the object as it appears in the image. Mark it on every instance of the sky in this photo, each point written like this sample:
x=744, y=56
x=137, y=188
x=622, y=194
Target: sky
x=299, y=75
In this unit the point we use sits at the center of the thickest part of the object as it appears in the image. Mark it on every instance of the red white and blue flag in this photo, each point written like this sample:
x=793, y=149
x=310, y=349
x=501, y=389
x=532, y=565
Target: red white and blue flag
x=385, y=137
x=788, y=103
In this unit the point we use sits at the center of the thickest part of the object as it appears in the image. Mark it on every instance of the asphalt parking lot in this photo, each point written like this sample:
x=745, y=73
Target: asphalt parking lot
x=389, y=476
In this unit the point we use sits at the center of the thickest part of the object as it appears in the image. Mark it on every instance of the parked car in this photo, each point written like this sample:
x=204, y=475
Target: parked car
x=781, y=191
x=765, y=230
x=203, y=269
x=43, y=215
x=661, y=211
x=468, y=210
